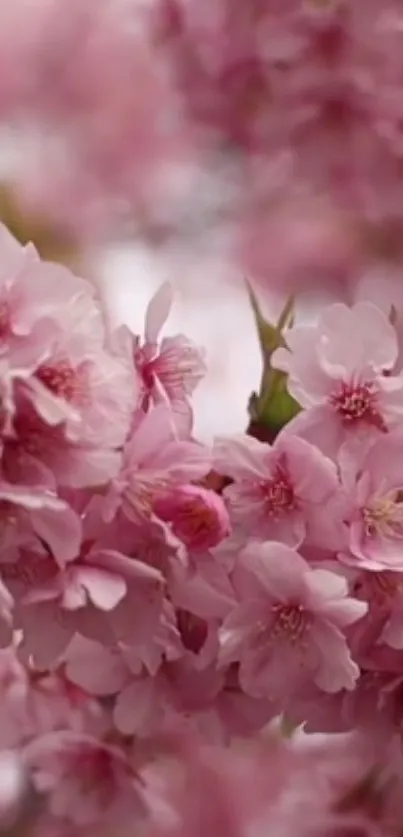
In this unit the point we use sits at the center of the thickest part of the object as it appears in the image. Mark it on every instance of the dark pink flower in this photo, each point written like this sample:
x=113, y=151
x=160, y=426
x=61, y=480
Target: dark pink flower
x=197, y=516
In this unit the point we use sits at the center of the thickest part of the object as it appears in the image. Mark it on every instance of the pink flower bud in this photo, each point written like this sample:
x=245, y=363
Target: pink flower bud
x=198, y=516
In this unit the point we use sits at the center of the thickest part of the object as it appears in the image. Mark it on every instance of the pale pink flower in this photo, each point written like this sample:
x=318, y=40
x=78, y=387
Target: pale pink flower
x=52, y=341
x=37, y=300
x=280, y=492
x=155, y=457
x=142, y=700
x=32, y=443
x=101, y=594
x=170, y=369
x=373, y=481
x=341, y=371
x=36, y=702
x=288, y=627
x=87, y=389
x=85, y=780
x=197, y=516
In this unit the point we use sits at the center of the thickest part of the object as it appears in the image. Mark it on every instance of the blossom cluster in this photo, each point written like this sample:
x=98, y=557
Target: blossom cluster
x=151, y=614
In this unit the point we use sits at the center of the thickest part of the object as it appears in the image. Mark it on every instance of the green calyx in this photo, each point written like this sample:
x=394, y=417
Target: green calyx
x=273, y=406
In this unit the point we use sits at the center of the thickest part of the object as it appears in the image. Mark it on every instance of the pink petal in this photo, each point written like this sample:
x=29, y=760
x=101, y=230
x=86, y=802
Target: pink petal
x=312, y=474
x=135, y=707
x=337, y=670
x=240, y=456
x=31, y=499
x=158, y=311
x=104, y=589
x=53, y=410
x=98, y=670
x=60, y=530
x=279, y=569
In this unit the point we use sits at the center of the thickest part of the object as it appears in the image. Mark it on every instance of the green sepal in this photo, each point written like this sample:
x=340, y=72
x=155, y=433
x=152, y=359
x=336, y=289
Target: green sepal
x=273, y=407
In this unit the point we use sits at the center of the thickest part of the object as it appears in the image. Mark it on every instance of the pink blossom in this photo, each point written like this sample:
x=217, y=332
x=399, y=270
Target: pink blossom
x=197, y=516
x=33, y=444
x=341, y=371
x=169, y=370
x=86, y=781
x=373, y=480
x=155, y=457
x=33, y=295
x=279, y=492
x=289, y=625
x=83, y=387
x=101, y=594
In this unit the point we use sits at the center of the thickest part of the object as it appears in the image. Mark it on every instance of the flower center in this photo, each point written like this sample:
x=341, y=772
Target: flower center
x=278, y=493
x=140, y=494
x=196, y=517
x=95, y=772
x=384, y=516
x=290, y=623
x=193, y=630
x=30, y=570
x=64, y=381
x=357, y=403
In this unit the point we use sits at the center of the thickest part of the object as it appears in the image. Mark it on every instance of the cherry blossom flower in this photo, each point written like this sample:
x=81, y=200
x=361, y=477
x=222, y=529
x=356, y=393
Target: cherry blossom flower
x=86, y=781
x=341, y=371
x=197, y=516
x=289, y=621
x=85, y=599
x=83, y=389
x=276, y=492
x=156, y=456
x=373, y=481
x=169, y=370
x=33, y=445
x=31, y=320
